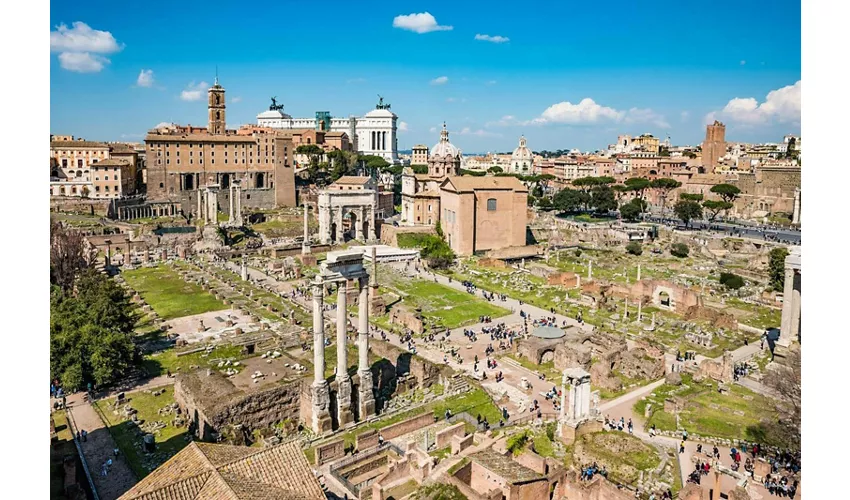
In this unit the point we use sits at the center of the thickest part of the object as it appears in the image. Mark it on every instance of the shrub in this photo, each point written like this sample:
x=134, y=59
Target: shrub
x=516, y=443
x=679, y=250
x=578, y=252
x=731, y=281
x=634, y=248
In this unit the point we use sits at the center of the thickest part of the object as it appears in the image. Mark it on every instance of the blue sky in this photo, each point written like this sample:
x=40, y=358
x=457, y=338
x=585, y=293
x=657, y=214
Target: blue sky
x=563, y=73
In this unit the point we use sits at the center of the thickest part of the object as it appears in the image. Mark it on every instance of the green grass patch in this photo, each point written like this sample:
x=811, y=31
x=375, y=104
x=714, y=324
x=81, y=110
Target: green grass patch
x=458, y=466
x=128, y=436
x=168, y=294
x=160, y=363
x=735, y=415
x=622, y=454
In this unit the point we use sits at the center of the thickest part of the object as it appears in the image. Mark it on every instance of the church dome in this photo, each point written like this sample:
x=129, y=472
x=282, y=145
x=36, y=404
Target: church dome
x=444, y=147
x=522, y=153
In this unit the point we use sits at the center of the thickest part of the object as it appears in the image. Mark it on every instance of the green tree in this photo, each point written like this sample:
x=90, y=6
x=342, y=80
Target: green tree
x=714, y=207
x=634, y=248
x=570, y=200
x=639, y=185
x=691, y=196
x=727, y=192
x=630, y=211
x=419, y=169
x=731, y=281
x=776, y=268
x=664, y=186
x=495, y=170
x=688, y=210
x=313, y=151
x=679, y=250
x=91, y=330
x=545, y=203
x=603, y=198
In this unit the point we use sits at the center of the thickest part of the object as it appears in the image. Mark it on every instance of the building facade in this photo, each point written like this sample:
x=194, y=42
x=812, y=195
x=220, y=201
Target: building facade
x=419, y=155
x=522, y=160
x=183, y=160
x=375, y=133
x=90, y=169
x=714, y=145
x=420, y=193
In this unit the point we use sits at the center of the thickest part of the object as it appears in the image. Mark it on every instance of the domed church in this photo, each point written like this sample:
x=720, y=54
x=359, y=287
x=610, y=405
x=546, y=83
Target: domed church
x=522, y=160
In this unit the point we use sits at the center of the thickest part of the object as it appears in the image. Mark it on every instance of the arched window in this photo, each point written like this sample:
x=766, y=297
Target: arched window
x=218, y=115
x=217, y=99
x=491, y=204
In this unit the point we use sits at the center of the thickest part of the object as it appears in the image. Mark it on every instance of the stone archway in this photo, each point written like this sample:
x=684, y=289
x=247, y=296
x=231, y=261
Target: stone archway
x=664, y=299
x=547, y=356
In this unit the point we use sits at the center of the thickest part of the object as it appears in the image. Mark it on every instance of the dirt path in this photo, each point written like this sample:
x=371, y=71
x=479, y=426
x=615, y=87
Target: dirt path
x=98, y=448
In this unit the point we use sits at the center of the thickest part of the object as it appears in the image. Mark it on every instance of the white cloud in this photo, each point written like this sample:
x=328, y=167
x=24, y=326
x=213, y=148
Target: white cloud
x=586, y=111
x=636, y=115
x=684, y=115
x=432, y=129
x=504, y=121
x=440, y=80
x=194, y=92
x=82, y=62
x=163, y=124
x=419, y=23
x=494, y=39
x=236, y=99
x=479, y=132
x=80, y=47
x=781, y=105
x=491, y=82
x=145, y=78
x=402, y=127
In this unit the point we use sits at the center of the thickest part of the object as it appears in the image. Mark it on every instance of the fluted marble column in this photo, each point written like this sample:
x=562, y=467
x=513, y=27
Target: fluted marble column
x=321, y=418
x=366, y=394
x=343, y=381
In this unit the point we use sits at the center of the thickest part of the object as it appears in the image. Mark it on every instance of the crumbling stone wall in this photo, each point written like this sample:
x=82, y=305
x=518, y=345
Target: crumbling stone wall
x=408, y=317
x=425, y=372
x=717, y=319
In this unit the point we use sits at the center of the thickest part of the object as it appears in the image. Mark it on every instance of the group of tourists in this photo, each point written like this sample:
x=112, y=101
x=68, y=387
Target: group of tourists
x=620, y=425
x=779, y=486
x=588, y=471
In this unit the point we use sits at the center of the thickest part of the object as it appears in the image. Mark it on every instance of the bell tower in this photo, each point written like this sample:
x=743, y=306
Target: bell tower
x=216, y=108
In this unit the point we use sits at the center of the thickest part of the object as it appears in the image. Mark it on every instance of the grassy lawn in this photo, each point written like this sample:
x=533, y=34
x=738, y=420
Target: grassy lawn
x=128, y=435
x=758, y=316
x=707, y=412
x=289, y=226
x=441, y=304
x=547, y=369
x=168, y=294
x=622, y=454
x=159, y=363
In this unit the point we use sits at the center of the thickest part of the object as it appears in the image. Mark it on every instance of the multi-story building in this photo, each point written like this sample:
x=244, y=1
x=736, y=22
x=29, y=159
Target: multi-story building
x=92, y=169
x=419, y=155
x=182, y=160
x=376, y=133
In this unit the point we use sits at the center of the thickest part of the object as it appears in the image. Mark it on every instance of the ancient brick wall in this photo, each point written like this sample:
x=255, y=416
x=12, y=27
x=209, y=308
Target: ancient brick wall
x=80, y=205
x=366, y=440
x=407, y=426
x=425, y=372
x=444, y=437
x=330, y=451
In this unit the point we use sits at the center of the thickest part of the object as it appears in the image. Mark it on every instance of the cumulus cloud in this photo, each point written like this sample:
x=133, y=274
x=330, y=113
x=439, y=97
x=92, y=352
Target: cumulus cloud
x=440, y=80
x=236, y=99
x=81, y=48
x=494, y=39
x=637, y=115
x=402, y=127
x=82, y=62
x=419, y=23
x=145, y=78
x=780, y=105
x=194, y=92
x=163, y=124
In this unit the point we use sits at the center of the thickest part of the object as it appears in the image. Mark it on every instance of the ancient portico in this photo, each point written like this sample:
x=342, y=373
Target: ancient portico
x=352, y=197
x=577, y=417
x=789, y=330
x=235, y=218
x=208, y=204
x=341, y=268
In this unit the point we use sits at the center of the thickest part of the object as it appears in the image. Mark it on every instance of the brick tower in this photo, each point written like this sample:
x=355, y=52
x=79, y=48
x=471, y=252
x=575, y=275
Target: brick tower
x=216, y=109
x=714, y=145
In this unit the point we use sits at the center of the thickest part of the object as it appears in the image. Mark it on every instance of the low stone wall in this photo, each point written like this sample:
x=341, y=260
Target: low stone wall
x=330, y=451
x=460, y=443
x=444, y=437
x=79, y=205
x=407, y=426
x=425, y=372
x=389, y=234
x=366, y=440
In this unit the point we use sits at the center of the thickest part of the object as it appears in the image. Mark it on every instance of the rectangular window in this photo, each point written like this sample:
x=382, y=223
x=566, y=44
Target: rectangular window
x=491, y=204
x=79, y=163
x=65, y=162
x=106, y=188
x=106, y=177
x=97, y=189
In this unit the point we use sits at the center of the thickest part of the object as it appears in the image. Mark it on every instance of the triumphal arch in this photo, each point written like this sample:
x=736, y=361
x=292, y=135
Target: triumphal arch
x=351, y=197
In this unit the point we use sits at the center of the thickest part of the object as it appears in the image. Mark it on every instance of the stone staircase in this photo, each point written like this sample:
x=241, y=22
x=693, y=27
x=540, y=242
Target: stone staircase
x=457, y=385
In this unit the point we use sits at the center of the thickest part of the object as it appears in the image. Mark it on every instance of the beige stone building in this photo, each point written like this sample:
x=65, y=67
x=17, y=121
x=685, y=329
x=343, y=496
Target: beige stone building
x=483, y=213
x=182, y=160
x=420, y=155
x=91, y=169
x=714, y=145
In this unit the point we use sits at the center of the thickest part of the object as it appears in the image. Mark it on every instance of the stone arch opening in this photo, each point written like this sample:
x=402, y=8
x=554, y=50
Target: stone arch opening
x=225, y=181
x=260, y=180
x=547, y=356
x=664, y=299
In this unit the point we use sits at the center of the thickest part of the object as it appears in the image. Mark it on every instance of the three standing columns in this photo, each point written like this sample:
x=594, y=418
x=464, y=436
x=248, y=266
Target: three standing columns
x=321, y=418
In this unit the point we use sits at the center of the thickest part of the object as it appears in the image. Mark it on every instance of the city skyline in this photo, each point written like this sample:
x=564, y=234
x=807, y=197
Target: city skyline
x=491, y=77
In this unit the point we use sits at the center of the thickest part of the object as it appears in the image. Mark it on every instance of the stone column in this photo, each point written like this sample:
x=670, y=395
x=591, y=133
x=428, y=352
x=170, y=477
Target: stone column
x=323, y=212
x=361, y=221
x=573, y=412
x=796, y=218
x=305, y=245
x=230, y=218
x=640, y=304
x=343, y=382
x=244, y=270
x=373, y=232
x=585, y=398
x=638, y=276
x=366, y=395
x=321, y=418
x=238, y=203
x=795, y=307
x=589, y=270
x=786, y=326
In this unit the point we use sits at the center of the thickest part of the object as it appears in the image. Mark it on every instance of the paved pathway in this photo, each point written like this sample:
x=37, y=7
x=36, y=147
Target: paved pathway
x=98, y=448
